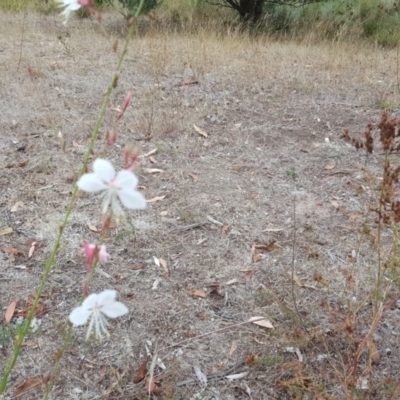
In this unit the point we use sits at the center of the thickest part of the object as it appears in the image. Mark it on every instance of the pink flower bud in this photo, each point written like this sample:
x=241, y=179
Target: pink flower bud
x=130, y=156
x=111, y=138
x=92, y=251
x=88, y=4
x=127, y=101
x=103, y=255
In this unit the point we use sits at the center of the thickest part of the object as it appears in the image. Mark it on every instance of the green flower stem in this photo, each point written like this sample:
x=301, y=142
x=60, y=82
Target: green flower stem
x=67, y=337
x=50, y=261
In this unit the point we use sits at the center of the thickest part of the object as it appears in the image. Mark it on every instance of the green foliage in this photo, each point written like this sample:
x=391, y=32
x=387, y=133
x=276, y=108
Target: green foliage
x=41, y=6
x=270, y=360
x=377, y=20
x=7, y=333
x=130, y=6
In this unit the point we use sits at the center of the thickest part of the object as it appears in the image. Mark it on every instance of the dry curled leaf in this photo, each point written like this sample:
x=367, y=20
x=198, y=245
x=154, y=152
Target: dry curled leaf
x=335, y=204
x=32, y=249
x=200, y=375
x=374, y=353
x=92, y=227
x=273, y=230
x=151, y=386
x=226, y=229
x=164, y=265
x=28, y=344
x=267, y=246
x=57, y=355
x=249, y=274
x=233, y=347
x=27, y=385
x=18, y=165
x=190, y=81
x=196, y=292
x=152, y=170
x=261, y=321
x=141, y=373
x=318, y=278
x=200, y=131
x=16, y=206
x=250, y=360
x=6, y=231
x=10, y=311
x=194, y=177
x=115, y=46
x=13, y=251
x=258, y=341
x=151, y=152
x=296, y=279
x=157, y=198
x=329, y=166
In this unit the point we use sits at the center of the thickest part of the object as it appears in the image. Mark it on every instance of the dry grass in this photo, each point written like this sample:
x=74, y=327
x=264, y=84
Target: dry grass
x=268, y=108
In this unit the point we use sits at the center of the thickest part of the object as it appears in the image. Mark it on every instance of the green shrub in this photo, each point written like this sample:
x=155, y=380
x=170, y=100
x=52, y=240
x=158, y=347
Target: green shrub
x=130, y=6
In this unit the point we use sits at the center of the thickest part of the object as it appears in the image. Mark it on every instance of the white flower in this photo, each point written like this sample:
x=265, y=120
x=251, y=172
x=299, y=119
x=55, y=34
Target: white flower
x=95, y=307
x=69, y=6
x=121, y=185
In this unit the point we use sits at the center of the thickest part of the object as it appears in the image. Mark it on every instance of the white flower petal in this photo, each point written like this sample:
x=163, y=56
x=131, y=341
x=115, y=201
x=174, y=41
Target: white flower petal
x=73, y=7
x=91, y=183
x=69, y=6
x=79, y=316
x=91, y=301
x=132, y=199
x=106, y=297
x=114, y=310
x=126, y=180
x=104, y=169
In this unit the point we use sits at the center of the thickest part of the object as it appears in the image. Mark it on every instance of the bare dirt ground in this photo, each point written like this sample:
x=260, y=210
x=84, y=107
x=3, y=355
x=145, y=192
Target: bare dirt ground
x=273, y=113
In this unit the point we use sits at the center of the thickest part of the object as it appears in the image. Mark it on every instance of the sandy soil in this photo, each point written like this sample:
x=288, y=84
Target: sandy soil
x=272, y=163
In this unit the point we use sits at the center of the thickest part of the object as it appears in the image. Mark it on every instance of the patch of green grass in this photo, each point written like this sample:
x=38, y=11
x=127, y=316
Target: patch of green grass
x=46, y=167
x=186, y=216
x=7, y=334
x=270, y=361
x=263, y=297
x=292, y=173
x=386, y=103
x=377, y=20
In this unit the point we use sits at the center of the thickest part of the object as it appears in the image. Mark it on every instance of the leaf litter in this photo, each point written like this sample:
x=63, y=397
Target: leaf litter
x=200, y=190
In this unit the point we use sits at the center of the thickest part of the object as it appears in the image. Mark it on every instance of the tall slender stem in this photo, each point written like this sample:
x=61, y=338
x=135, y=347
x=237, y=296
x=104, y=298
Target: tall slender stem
x=50, y=261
